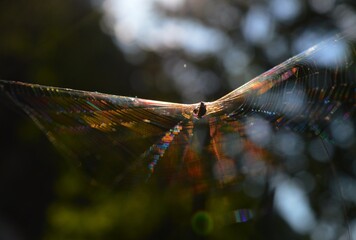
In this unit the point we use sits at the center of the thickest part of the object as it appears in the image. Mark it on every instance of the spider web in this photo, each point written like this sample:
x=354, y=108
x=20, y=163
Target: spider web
x=264, y=130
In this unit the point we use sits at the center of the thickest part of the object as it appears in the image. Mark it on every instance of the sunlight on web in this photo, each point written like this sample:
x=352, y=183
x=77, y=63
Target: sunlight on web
x=279, y=134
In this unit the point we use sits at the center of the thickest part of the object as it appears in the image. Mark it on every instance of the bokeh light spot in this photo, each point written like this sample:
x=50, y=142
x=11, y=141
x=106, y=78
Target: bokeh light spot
x=202, y=223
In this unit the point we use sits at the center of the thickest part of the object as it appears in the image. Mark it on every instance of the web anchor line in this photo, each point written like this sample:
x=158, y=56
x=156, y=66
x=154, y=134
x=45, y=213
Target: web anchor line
x=342, y=197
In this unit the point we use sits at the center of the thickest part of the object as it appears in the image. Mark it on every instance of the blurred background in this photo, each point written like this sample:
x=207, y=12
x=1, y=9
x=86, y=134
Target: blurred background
x=170, y=50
